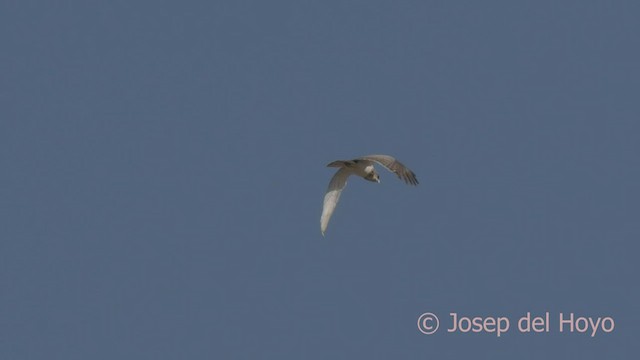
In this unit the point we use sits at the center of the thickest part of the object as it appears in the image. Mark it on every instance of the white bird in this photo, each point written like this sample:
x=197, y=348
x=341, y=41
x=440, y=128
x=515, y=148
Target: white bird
x=363, y=167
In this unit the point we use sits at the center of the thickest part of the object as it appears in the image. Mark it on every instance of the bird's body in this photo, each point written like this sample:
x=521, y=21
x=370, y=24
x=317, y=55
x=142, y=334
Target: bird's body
x=364, y=168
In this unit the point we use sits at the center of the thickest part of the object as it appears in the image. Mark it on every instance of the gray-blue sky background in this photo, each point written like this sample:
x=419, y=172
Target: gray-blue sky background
x=163, y=168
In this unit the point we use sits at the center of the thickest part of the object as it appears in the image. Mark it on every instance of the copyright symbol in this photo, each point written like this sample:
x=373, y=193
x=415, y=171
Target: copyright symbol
x=428, y=323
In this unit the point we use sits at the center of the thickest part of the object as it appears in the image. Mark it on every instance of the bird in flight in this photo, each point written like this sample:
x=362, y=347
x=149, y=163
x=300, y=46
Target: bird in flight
x=363, y=167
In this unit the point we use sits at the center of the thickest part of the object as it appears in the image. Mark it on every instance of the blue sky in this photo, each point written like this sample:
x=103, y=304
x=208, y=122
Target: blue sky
x=164, y=166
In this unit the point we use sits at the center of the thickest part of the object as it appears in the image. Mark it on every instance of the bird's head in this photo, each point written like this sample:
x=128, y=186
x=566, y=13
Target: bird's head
x=373, y=176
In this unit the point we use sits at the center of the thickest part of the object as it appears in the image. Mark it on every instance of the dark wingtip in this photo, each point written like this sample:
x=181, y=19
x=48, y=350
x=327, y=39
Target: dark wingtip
x=411, y=179
x=407, y=176
x=415, y=179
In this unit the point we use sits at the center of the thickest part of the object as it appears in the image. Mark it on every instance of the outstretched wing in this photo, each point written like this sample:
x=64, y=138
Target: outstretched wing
x=337, y=183
x=394, y=166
